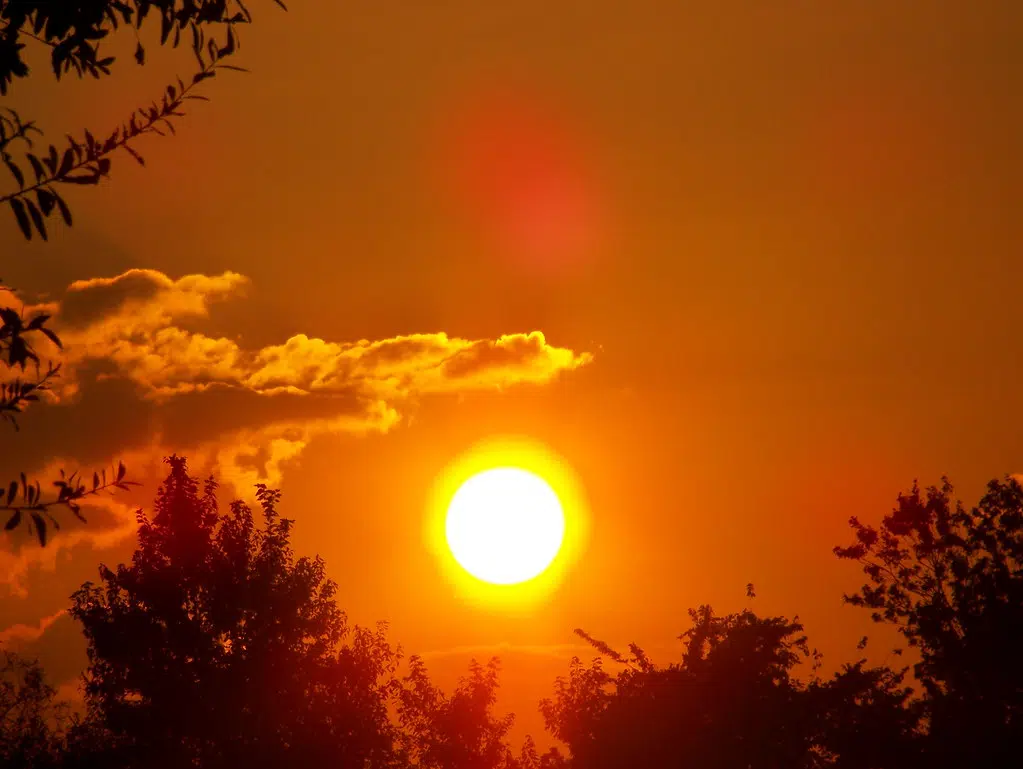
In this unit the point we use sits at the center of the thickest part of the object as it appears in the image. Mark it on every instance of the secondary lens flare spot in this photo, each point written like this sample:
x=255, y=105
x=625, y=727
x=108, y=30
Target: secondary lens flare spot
x=505, y=525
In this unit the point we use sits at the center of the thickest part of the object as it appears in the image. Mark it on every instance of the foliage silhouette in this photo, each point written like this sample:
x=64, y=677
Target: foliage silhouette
x=951, y=580
x=461, y=731
x=32, y=721
x=74, y=33
x=216, y=647
x=22, y=500
x=731, y=702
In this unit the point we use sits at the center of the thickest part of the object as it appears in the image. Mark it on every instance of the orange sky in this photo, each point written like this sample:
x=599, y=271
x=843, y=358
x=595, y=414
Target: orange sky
x=789, y=238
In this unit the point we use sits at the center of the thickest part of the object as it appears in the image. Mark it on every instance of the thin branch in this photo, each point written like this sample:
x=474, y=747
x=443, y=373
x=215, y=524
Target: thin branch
x=32, y=35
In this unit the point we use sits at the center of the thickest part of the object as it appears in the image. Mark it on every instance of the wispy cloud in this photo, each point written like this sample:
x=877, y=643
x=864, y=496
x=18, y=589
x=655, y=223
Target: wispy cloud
x=16, y=635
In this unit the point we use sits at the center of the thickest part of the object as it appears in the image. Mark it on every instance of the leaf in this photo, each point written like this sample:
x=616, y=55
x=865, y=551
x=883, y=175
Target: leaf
x=19, y=213
x=140, y=54
x=12, y=491
x=121, y=470
x=37, y=167
x=19, y=177
x=37, y=322
x=52, y=336
x=138, y=158
x=46, y=201
x=37, y=218
x=64, y=210
x=40, y=528
x=13, y=521
x=66, y=162
x=91, y=178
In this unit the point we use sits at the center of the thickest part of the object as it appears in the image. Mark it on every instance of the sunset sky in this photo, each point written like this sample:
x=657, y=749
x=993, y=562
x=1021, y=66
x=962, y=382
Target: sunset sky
x=747, y=270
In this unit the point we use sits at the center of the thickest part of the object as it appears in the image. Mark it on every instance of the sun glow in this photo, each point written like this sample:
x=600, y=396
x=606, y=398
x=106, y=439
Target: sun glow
x=505, y=525
x=506, y=520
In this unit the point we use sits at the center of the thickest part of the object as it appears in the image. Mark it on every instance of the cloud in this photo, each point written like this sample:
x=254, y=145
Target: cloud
x=141, y=326
x=145, y=374
x=18, y=635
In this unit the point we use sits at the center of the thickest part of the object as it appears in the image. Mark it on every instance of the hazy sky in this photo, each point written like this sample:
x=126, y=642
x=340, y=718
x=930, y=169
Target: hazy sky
x=775, y=254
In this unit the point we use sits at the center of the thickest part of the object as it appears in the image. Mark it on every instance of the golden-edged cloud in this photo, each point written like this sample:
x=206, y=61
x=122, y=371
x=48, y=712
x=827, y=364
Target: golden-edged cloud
x=142, y=324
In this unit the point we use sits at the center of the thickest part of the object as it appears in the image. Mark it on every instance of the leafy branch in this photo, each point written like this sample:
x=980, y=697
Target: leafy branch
x=74, y=39
x=87, y=162
x=70, y=492
x=17, y=352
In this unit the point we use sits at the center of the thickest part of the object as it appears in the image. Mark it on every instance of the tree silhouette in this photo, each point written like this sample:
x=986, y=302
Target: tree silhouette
x=216, y=647
x=32, y=721
x=74, y=34
x=731, y=703
x=460, y=731
x=951, y=580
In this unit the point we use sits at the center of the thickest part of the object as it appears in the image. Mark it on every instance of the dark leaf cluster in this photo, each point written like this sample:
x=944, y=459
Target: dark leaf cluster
x=17, y=353
x=951, y=581
x=74, y=32
x=22, y=500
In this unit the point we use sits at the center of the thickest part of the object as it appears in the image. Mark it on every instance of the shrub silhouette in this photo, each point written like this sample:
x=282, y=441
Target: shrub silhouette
x=733, y=701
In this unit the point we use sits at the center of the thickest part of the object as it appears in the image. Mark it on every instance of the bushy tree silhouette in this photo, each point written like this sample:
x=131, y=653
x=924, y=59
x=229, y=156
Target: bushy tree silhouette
x=215, y=647
x=32, y=721
x=731, y=703
x=73, y=33
x=951, y=580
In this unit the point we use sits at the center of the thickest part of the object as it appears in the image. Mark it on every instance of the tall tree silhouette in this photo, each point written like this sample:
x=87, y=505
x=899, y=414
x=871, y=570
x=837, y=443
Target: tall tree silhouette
x=732, y=702
x=951, y=580
x=73, y=34
x=216, y=647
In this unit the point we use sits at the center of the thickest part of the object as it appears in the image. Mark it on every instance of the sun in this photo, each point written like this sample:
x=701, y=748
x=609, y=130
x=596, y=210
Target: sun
x=505, y=525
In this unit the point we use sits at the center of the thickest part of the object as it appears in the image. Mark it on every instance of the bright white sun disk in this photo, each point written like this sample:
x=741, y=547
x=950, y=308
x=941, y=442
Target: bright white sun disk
x=505, y=525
